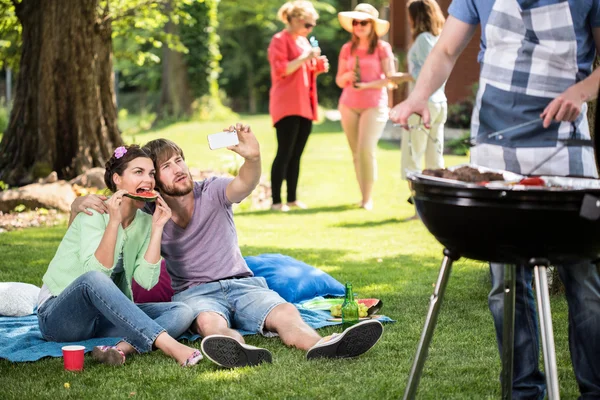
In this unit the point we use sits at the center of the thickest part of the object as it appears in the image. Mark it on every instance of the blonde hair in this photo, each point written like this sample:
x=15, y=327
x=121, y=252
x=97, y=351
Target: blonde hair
x=296, y=9
x=426, y=16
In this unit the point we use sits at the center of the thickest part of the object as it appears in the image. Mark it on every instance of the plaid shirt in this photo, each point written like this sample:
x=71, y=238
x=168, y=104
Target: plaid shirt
x=530, y=58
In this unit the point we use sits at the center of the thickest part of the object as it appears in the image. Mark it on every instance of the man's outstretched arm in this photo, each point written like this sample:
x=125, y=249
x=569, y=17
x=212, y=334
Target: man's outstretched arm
x=249, y=174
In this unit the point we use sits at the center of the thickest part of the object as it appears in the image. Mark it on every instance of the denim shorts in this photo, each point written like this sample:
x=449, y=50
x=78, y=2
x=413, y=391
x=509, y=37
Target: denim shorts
x=244, y=302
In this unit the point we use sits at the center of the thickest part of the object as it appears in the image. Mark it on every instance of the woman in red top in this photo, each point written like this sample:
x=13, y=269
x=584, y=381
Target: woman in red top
x=295, y=65
x=365, y=63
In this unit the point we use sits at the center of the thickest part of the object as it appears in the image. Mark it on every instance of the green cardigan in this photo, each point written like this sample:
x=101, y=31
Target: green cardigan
x=75, y=254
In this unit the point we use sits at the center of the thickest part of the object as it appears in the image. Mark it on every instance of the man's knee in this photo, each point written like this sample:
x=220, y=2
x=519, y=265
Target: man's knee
x=208, y=320
x=282, y=315
x=285, y=310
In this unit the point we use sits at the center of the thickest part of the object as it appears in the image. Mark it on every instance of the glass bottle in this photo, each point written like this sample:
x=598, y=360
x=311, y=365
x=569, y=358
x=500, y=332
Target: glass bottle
x=356, y=71
x=349, y=308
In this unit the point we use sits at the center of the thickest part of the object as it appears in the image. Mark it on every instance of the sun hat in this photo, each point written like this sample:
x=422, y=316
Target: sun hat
x=362, y=12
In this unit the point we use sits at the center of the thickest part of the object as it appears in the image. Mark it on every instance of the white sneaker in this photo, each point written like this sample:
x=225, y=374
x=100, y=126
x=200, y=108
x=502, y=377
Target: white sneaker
x=229, y=353
x=280, y=207
x=354, y=341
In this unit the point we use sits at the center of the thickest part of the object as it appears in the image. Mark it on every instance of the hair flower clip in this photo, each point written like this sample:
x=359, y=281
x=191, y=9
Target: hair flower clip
x=120, y=152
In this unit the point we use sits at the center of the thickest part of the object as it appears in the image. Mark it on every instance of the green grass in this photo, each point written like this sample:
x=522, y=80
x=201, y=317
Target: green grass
x=382, y=256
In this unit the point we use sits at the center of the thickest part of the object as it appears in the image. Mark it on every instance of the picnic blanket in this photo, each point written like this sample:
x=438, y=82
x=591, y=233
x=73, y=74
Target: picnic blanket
x=21, y=339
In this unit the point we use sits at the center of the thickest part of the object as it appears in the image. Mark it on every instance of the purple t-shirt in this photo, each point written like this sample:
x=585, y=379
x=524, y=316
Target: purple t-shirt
x=207, y=249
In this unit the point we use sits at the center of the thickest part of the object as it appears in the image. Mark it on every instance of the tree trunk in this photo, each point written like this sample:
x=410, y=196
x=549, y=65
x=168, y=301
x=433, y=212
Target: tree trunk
x=176, y=95
x=64, y=116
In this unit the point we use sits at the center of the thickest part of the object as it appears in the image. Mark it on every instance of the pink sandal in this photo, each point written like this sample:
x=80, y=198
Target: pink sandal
x=193, y=359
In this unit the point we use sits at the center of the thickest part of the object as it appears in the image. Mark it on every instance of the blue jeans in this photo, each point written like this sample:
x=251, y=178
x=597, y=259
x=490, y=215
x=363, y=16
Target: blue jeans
x=93, y=306
x=582, y=284
x=244, y=303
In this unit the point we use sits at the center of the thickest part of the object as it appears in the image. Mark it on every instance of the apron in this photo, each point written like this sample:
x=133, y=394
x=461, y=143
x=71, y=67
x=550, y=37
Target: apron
x=530, y=59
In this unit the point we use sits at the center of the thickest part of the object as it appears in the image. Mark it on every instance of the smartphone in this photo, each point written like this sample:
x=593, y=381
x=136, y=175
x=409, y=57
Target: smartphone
x=222, y=139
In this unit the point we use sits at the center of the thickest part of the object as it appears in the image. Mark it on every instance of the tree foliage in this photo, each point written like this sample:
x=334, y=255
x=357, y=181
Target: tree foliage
x=201, y=39
x=137, y=32
x=10, y=35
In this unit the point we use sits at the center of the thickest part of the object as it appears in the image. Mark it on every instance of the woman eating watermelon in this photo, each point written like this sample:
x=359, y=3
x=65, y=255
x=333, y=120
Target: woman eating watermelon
x=87, y=288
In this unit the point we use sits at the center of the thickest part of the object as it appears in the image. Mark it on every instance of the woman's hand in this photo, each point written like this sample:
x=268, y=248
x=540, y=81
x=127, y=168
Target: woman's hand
x=400, y=77
x=114, y=207
x=349, y=77
x=313, y=52
x=162, y=213
x=325, y=62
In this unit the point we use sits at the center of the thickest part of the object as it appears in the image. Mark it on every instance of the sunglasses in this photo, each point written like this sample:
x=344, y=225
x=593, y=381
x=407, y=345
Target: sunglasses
x=364, y=22
x=309, y=26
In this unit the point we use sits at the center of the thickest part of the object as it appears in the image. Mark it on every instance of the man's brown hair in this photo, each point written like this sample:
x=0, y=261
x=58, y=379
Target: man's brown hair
x=161, y=150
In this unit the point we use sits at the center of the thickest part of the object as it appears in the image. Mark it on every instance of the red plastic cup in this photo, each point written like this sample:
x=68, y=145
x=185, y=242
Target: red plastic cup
x=320, y=64
x=73, y=357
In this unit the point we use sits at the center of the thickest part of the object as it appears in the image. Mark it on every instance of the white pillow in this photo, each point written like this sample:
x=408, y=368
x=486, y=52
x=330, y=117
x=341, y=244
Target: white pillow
x=18, y=299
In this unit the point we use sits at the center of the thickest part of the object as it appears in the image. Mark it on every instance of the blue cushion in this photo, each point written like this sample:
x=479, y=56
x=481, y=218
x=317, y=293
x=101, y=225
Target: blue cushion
x=294, y=280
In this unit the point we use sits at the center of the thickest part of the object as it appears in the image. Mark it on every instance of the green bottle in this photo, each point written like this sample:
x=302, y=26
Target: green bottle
x=349, y=308
x=357, y=71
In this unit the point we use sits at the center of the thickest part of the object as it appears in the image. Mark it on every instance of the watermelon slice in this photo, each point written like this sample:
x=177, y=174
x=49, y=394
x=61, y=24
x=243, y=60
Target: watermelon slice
x=374, y=305
x=143, y=196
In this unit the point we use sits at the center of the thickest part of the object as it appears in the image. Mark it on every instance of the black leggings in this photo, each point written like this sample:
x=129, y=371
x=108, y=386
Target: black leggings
x=292, y=134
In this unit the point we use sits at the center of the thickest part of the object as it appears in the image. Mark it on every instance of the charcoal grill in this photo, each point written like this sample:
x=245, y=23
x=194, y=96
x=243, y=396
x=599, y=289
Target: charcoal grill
x=534, y=226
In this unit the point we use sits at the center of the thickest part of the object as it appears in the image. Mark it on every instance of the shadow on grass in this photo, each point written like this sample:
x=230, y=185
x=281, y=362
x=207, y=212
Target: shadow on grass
x=339, y=208
x=369, y=224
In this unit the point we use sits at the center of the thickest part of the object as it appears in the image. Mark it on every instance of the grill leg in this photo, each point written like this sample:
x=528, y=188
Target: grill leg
x=508, y=330
x=543, y=302
x=434, y=308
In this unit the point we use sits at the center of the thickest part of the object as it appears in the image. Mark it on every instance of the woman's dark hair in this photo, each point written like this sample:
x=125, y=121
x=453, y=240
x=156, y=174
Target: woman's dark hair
x=118, y=165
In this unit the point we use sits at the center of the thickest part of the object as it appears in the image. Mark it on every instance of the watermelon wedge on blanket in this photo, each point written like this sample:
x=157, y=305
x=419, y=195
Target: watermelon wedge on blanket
x=143, y=196
x=374, y=305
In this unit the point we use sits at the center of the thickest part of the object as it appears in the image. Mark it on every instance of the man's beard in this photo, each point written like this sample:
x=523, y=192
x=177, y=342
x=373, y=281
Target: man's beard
x=178, y=191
